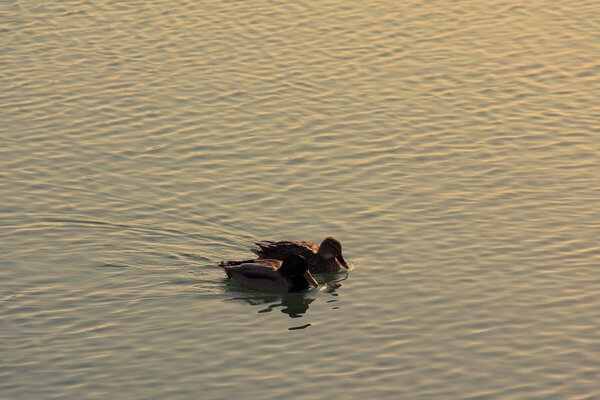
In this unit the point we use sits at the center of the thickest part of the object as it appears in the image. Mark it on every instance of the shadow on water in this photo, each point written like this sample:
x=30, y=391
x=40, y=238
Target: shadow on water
x=295, y=305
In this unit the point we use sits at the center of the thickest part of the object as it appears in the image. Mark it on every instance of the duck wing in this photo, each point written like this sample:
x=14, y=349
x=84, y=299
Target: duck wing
x=261, y=276
x=275, y=264
x=266, y=267
x=280, y=250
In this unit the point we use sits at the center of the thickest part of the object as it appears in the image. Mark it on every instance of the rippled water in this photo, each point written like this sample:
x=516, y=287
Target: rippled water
x=452, y=147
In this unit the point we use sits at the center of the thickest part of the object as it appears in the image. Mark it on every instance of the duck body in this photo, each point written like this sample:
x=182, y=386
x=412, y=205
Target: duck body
x=273, y=276
x=326, y=257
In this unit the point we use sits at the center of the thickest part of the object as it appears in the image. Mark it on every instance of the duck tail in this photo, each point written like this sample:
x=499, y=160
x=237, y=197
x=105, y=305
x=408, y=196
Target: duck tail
x=263, y=248
x=232, y=263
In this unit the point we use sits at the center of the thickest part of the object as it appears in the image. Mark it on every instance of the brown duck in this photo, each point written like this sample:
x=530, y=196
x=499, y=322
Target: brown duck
x=326, y=257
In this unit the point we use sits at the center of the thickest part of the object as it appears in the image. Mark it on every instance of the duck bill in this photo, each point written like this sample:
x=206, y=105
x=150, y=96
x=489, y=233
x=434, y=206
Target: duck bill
x=342, y=261
x=310, y=278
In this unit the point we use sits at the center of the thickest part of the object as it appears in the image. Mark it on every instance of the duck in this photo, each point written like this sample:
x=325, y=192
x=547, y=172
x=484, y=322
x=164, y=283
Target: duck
x=273, y=276
x=326, y=257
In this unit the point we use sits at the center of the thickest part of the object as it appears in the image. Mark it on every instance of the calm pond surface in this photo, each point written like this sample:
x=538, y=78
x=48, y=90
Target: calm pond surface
x=452, y=147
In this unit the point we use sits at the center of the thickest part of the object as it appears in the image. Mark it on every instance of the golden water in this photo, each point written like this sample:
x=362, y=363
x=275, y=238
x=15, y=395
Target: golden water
x=452, y=147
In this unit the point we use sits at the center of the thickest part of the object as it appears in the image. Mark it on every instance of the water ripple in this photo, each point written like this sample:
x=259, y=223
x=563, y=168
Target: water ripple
x=451, y=147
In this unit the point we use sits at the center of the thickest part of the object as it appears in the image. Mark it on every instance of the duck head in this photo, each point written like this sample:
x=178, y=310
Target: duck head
x=295, y=269
x=332, y=248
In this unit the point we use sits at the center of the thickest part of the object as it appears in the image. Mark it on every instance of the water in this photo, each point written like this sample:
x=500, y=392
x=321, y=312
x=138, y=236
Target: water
x=453, y=148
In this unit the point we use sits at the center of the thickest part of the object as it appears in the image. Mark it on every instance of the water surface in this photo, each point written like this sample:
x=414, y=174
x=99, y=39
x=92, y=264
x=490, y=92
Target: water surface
x=452, y=147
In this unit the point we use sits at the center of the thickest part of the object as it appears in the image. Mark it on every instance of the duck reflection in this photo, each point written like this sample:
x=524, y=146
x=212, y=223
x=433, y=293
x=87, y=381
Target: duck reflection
x=295, y=305
x=333, y=282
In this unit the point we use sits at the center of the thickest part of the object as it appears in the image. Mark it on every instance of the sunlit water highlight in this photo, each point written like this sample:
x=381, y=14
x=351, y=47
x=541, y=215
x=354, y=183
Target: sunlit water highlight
x=452, y=147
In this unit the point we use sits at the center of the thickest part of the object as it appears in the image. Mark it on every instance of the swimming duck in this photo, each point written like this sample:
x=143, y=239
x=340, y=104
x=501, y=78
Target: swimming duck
x=326, y=257
x=275, y=276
